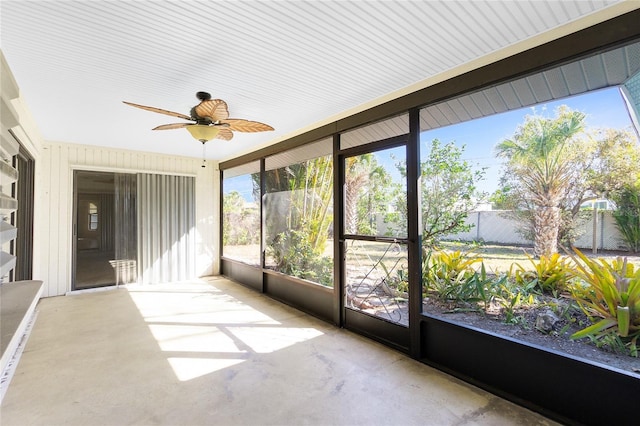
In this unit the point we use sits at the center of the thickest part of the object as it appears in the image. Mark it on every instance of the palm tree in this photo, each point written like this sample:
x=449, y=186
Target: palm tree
x=540, y=155
x=300, y=214
x=358, y=173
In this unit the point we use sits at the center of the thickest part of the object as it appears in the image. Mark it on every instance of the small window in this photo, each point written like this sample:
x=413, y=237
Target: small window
x=93, y=217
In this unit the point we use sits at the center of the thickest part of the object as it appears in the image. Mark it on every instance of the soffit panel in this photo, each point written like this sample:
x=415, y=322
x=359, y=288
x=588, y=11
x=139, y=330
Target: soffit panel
x=592, y=73
x=298, y=155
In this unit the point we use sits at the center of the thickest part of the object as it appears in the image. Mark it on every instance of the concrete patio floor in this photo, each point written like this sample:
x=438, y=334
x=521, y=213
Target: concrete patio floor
x=214, y=352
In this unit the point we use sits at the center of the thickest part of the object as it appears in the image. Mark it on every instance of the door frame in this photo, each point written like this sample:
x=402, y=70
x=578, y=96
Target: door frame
x=74, y=230
x=382, y=330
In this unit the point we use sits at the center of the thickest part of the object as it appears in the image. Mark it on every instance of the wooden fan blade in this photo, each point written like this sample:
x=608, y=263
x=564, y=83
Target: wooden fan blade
x=213, y=109
x=241, y=125
x=159, y=110
x=172, y=126
x=225, y=134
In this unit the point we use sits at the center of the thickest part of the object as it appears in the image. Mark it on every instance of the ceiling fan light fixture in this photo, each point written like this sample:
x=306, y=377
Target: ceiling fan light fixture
x=203, y=132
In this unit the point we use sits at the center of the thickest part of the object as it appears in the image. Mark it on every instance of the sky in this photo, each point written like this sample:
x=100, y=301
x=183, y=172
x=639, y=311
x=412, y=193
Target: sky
x=603, y=108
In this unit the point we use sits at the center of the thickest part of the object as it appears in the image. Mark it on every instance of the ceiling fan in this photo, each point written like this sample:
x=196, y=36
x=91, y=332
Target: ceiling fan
x=208, y=120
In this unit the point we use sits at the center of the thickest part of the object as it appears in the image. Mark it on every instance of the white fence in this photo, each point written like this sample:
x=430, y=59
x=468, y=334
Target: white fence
x=496, y=227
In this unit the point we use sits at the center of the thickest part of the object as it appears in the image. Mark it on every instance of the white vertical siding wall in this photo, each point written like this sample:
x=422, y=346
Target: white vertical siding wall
x=54, y=204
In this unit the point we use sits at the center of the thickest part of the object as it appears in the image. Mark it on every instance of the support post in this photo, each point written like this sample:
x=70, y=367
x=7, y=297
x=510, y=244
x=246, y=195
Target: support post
x=594, y=244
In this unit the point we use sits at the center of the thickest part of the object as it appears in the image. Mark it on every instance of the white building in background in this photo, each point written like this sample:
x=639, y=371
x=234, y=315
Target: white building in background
x=600, y=204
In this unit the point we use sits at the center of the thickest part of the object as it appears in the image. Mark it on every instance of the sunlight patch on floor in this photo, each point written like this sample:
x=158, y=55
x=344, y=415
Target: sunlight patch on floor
x=271, y=339
x=187, y=369
x=190, y=338
x=204, y=314
x=202, y=332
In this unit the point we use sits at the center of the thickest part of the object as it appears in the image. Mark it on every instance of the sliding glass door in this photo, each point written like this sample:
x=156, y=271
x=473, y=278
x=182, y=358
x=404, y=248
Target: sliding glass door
x=104, y=229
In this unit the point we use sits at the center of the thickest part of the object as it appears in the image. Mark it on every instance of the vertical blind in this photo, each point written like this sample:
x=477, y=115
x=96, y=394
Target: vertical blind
x=166, y=228
x=106, y=228
x=125, y=229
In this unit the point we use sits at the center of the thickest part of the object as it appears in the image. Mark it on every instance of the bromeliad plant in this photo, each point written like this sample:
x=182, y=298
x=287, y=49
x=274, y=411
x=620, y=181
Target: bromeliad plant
x=446, y=272
x=609, y=294
x=452, y=266
x=549, y=274
x=513, y=297
x=453, y=276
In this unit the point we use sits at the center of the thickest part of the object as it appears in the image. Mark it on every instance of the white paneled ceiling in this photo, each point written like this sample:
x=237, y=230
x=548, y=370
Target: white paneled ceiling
x=291, y=64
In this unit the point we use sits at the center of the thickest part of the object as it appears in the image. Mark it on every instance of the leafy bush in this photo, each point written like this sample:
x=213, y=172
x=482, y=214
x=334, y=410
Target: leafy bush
x=549, y=274
x=455, y=276
x=609, y=294
x=445, y=272
x=240, y=224
x=397, y=277
x=452, y=276
x=451, y=266
x=295, y=255
x=512, y=296
x=487, y=287
x=627, y=216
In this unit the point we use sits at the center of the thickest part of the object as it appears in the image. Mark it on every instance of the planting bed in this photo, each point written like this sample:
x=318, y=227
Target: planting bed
x=524, y=329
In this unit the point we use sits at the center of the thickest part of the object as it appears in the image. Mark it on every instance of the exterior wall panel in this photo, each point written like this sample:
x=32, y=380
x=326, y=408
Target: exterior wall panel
x=54, y=213
x=496, y=227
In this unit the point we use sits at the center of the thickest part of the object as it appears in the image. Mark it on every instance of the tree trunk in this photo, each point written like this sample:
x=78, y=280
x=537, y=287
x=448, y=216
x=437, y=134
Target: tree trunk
x=351, y=208
x=546, y=226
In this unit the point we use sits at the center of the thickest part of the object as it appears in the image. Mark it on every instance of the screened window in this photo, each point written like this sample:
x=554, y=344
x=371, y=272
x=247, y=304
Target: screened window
x=298, y=212
x=501, y=195
x=375, y=193
x=241, y=214
x=93, y=217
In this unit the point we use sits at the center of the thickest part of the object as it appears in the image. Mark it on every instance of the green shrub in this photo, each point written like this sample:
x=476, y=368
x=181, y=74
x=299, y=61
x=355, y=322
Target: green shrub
x=445, y=272
x=453, y=276
x=451, y=266
x=549, y=274
x=396, y=276
x=511, y=297
x=609, y=294
x=627, y=216
x=295, y=255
